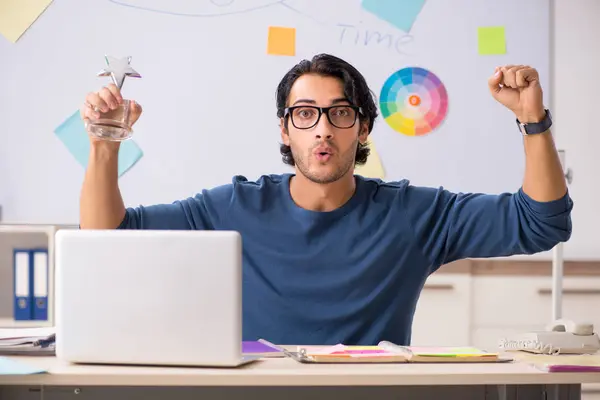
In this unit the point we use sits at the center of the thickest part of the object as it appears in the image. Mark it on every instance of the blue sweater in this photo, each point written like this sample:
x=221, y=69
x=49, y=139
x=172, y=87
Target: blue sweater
x=354, y=275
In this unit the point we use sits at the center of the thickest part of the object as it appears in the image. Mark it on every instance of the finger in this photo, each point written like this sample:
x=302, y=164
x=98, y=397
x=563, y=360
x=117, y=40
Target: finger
x=108, y=98
x=83, y=112
x=87, y=113
x=495, y=80
x=95, y=100
x=506, y=68
x=509, y=72
x=526, y=76
x=114, y=90
x=136, y=110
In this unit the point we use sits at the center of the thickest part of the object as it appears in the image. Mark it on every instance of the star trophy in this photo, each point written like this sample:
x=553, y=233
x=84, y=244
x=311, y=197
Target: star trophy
x=115, y=125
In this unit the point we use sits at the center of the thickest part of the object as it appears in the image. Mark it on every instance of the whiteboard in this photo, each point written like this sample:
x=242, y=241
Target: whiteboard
x=208, y=92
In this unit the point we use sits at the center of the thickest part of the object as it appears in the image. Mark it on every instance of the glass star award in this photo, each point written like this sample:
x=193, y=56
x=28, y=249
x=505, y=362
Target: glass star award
x=115, y=125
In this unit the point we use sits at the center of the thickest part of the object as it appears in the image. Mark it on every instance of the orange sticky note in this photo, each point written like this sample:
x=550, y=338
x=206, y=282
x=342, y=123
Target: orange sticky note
x=282, y=41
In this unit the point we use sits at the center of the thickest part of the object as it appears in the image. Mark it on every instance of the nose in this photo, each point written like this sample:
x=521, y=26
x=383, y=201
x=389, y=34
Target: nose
x=323, y=129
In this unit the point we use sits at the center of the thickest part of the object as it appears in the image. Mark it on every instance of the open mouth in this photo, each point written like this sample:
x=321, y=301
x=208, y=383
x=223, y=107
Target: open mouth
x=323, y=156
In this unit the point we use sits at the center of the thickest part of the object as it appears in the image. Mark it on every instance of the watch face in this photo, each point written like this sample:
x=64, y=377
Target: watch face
x=523, y=129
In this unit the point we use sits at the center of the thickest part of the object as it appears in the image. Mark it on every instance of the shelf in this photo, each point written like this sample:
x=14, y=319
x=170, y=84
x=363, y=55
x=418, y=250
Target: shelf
x=49, y=229
x=27, y=236
x=11, y=323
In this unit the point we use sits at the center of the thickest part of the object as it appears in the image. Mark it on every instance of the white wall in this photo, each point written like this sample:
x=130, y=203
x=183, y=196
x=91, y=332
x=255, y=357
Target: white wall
x=576, y=110
x=575, y=103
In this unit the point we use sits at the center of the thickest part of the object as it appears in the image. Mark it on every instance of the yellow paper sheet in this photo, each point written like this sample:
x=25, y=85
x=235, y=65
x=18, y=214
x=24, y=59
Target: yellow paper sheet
x=491, y=40
x=373, y=168
x=281, y=41
x=16, y=16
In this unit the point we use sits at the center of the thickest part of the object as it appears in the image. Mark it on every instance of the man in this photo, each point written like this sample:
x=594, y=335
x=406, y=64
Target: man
x=330, y=257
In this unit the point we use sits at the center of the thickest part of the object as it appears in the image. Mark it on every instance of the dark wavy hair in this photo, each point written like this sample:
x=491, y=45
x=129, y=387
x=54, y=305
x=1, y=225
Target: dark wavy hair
x=356, y=91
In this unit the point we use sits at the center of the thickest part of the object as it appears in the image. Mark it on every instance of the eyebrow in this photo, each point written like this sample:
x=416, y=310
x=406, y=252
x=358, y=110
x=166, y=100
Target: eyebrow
x=334, y=101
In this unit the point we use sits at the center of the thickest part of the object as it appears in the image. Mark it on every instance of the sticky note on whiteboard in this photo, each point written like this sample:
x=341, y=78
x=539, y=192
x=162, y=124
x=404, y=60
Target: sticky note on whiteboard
x=491, y=40
x=281, y=41
x=400, y=13
x=75, y=138
x=16, y=16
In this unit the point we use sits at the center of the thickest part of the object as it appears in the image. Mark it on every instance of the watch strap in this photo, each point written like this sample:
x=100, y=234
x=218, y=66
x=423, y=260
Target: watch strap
x=536, y=127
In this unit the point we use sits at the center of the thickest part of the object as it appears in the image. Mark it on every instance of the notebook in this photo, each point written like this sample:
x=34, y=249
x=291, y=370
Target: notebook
x=386, y=352
x=27, y=341
x=562, y=362
x=20, y=335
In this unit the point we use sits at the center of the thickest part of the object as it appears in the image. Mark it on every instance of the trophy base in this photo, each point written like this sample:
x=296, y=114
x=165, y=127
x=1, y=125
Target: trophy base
x=113, y=125
x=111, y=130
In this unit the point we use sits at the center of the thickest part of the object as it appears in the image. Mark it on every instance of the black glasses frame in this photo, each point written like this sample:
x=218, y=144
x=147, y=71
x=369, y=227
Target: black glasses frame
x=323, y=110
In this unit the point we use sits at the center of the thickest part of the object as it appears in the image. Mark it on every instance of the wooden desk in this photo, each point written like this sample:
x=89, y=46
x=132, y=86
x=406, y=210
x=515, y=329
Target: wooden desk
x=285, y=378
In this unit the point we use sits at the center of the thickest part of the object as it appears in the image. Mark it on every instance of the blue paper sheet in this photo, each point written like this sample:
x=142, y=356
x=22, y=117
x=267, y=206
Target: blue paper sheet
x=400, y=13
x=11, y=367
x=74, y=136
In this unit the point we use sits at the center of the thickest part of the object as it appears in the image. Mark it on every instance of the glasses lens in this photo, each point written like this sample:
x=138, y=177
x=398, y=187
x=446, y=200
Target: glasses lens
x=342, y=116
x=304, y=117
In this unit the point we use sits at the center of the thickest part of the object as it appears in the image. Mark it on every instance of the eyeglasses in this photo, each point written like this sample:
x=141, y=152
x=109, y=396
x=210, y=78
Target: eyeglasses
x=305, y=117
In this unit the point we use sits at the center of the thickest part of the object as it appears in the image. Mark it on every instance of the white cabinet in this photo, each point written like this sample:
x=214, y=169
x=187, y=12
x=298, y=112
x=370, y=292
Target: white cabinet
x=590, y=391
x=510, y=301
x=507, y=305
x=442, y=316
x=481, y=309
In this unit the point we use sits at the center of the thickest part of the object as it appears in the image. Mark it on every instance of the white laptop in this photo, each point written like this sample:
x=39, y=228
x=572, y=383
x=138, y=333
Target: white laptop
x=149, y=297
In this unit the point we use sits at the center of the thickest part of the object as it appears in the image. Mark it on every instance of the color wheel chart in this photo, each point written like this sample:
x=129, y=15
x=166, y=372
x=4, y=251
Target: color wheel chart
x=413, y=101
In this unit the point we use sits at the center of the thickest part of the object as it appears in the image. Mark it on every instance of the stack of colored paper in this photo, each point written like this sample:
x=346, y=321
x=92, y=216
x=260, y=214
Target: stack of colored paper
x=388, y=352
x=342, y=353
x=450, y=354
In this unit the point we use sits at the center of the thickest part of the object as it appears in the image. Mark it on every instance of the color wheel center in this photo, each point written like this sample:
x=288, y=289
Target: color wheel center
x=414, y=100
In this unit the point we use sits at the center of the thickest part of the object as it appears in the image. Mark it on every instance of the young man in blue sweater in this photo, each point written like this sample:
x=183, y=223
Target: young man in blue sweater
x=330, y=257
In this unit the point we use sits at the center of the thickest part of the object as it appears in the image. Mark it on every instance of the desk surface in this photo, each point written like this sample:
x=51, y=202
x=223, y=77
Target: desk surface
x=287, y=372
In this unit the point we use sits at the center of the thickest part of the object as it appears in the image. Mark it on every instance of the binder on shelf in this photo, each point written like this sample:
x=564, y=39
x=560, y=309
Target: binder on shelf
x=23, y=291
x=39, y=258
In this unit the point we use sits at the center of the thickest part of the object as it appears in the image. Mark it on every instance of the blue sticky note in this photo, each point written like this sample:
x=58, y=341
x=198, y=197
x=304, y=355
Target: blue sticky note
x=400, y=13
x=74, y=136
x=11, y=367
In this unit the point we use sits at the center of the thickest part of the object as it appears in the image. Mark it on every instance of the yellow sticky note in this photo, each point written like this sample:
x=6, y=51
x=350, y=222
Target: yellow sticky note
x=491, y=40
x=16, y=16
x=373, y=168
x=282, y=41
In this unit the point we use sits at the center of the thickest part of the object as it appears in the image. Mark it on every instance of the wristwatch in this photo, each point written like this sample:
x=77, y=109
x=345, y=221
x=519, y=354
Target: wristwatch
x=536, y=127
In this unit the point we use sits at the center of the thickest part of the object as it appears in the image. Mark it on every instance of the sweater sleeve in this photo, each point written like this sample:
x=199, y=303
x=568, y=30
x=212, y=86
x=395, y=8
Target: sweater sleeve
x=451, y=226
x=204, y=211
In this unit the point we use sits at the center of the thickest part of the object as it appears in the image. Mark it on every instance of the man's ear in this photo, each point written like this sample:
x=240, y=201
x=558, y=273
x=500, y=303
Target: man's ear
x=363, y=133
x=285, y=137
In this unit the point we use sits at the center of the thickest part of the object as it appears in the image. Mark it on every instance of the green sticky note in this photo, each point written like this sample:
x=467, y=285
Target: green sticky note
x=491, y=40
